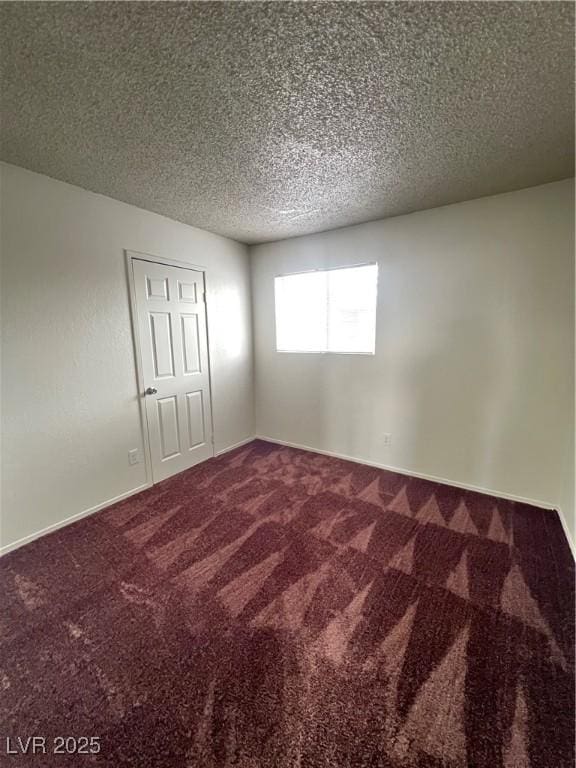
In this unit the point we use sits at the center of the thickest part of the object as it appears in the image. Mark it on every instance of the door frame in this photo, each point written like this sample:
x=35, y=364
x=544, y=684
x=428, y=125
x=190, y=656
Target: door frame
x=129, y=257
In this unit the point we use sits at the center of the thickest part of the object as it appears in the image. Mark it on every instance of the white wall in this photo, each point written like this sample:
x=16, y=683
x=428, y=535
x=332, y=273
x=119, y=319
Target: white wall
x=70, y=402
x=474, y=367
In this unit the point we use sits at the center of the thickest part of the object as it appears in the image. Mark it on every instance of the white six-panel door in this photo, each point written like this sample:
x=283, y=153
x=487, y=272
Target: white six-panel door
x=171, y=315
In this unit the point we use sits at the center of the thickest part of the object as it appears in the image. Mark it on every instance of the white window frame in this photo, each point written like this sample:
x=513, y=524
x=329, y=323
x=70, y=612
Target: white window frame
x=327, y=351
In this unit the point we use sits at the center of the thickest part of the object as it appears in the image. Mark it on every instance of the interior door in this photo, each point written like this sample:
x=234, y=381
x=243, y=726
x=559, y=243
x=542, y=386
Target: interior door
x=174, y=352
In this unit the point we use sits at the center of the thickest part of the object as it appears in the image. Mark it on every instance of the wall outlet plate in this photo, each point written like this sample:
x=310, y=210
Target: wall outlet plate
x=134, y=456
x=386, y=439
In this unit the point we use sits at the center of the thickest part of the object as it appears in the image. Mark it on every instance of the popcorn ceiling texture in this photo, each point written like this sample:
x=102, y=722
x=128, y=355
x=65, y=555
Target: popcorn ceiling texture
x=261, y=121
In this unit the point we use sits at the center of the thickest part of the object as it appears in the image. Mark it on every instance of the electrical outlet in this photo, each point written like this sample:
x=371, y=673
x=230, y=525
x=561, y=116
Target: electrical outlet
x=386, y=439
x=134, y=456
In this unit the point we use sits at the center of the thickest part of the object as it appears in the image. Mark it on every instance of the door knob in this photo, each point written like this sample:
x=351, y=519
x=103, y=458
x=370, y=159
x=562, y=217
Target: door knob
x=151, y=391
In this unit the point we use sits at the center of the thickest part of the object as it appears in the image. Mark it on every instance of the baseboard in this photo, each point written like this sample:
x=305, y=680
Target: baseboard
x=67, y=521
x=466, y=486
x=412, y=473
x=236, y=445
x=567, y=533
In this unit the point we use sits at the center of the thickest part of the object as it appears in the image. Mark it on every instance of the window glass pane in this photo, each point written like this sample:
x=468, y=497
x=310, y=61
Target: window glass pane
x=327, y=311
x=352, y=309
x=301, y=312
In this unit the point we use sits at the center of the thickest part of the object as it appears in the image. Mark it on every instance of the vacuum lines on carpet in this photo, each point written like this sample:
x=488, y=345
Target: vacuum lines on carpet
x=274, y=607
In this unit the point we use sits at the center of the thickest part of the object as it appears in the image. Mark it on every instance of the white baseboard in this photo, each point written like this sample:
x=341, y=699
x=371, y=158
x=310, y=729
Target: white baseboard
x=567, y=533
x=412, y=473
x=236, y=445
x=62, y=523
x=67, y=521
x=466, y=486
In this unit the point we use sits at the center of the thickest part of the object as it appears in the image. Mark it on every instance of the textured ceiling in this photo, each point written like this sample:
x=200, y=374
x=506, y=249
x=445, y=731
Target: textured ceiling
x=260, y=121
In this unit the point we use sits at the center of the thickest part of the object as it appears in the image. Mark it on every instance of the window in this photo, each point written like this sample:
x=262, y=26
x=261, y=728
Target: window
x=332, y=310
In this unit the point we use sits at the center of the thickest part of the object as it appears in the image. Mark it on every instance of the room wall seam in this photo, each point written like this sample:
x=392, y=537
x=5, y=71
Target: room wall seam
x=236, y=445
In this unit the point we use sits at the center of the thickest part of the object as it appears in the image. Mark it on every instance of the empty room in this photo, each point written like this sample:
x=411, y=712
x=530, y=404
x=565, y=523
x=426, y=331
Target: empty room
x=287, y=384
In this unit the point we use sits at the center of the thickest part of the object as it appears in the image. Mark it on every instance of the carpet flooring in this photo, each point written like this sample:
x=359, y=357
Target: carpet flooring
x=274, y=607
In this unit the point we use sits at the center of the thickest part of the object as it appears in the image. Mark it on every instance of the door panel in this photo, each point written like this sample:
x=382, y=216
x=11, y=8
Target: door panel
x=195, y=418
x=161, y=338
x=157, y=288
x=187, y=292
x=171, y=315
x=190, y=343
x=168, y=423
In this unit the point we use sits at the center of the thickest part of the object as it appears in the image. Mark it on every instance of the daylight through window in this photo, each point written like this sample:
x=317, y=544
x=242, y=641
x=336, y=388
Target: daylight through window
x=331, y=310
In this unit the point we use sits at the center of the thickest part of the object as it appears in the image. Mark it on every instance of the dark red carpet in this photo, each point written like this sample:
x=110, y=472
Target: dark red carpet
x=279, y=608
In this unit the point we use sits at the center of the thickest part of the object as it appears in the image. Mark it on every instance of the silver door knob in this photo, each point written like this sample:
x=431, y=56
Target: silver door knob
x=151, y=391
